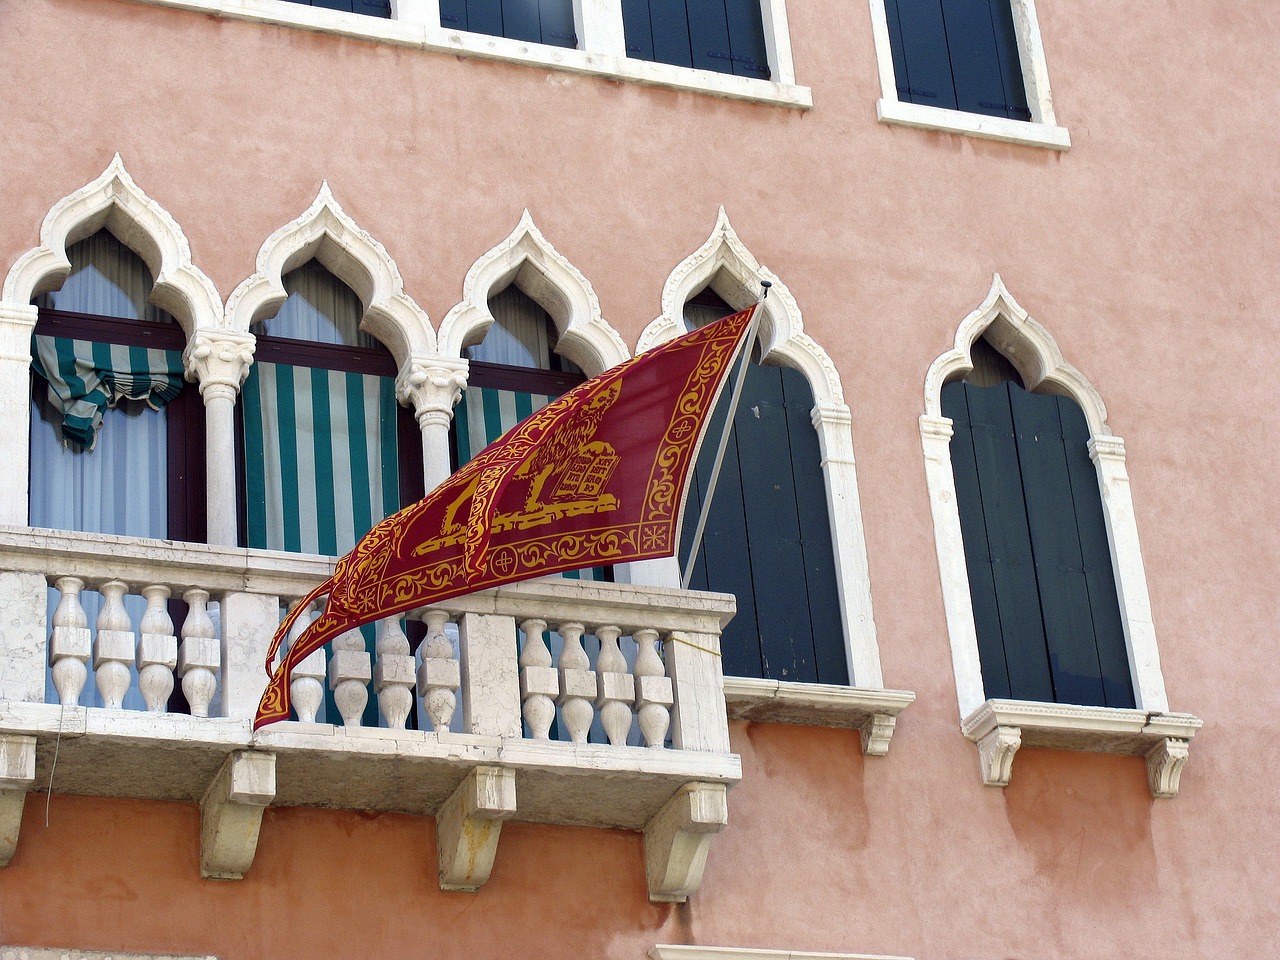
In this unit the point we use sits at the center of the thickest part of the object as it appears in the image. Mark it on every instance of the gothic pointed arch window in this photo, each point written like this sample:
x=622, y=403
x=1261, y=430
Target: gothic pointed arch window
x=1044, y=597
x=327, y=450
x=768, y=538
x=512, y=372
x=117, y=437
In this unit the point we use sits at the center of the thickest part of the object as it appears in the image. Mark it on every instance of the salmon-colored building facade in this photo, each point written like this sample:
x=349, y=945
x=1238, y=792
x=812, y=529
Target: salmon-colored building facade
x=1118, y=248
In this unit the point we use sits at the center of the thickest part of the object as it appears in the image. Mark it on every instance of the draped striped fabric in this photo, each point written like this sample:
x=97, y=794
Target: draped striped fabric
x=321, y=457
x=85, y=377
x=484, y=414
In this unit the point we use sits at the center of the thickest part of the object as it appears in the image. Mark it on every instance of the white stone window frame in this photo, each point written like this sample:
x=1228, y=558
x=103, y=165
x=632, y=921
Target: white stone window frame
x=999, y=726
x=1041, y=130
x=732, y=271
x=113, y=201
x=601, y=51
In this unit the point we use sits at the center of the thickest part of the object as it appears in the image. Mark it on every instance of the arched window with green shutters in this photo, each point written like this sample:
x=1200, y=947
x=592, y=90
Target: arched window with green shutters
x=958, y=55
x=768, y=536
x=726, y=36
x=1045, y=605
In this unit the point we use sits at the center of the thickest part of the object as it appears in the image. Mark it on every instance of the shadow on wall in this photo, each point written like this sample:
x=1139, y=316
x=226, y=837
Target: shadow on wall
x=1086, y=821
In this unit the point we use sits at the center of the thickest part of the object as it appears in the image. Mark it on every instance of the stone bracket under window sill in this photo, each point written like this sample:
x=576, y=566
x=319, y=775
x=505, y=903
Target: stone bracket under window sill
x=872, y=712
x=425, y=36
x=1000, y=727
x=973, y=124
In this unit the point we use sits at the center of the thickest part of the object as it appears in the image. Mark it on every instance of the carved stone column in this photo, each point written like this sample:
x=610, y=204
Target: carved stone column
x=433, y=386
x=219, y=361
x=17, y=322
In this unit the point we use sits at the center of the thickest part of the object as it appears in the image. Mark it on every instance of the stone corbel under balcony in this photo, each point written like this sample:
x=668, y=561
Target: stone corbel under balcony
x=872, y=712
x=1000, y=727
x=231, y=814
x=17, y=776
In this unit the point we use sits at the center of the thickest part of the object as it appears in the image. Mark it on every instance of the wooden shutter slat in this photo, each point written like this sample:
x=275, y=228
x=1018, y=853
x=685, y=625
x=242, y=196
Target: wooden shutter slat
x=669, y=23
x=1009, y=538
x=901, y=69
x=975, y=60
x=773, y=529
x=1095, y=548
x=924, y=48
x=746, y=38
x=637, y=30
x=520, y=20
x=822, y=590
x=977, y=551
x=709, y=36
x=1006, y=36
x=1064, y=597
x=485, y=16
x=555, y=19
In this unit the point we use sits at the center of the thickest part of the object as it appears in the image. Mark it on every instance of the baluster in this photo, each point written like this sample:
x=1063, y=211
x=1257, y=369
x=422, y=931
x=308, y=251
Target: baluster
x=439, y=676
x=393, y=673
x=157, y=650
x=71, y=644
x=349, y=676
x=199, y=655
x=306, y=683
x=615, y=687
x=653, y=690
x=539, y=683
x=113, y=647
x=577, y=683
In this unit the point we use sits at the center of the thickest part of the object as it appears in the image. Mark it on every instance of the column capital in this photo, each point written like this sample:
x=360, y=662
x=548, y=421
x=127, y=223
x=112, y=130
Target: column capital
x=219, y=360
x=1106, y=448
x=433, y=385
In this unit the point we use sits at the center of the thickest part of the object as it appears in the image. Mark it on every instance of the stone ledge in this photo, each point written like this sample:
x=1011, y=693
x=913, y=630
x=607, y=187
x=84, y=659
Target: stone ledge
x=60, y=953
x=873, y=712
x=1001, y=727
x=125, y=753
x=976, y=125
x=671, y=951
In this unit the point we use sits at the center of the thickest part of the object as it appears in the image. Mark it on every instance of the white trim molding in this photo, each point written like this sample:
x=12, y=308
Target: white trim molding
x=670, y=951
x=113, y=201
x=1000, y=727
x=416, y=23
x=326, y=233
x=873, y=713
x=527, y=259
x=64, y=953
x=725, y=264
x=1036, y=357
x=1041, y=130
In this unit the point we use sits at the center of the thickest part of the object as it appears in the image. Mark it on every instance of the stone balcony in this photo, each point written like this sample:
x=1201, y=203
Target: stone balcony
x=630, y=683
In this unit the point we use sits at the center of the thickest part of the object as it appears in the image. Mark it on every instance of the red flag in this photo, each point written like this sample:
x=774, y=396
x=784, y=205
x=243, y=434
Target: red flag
x=598, y=476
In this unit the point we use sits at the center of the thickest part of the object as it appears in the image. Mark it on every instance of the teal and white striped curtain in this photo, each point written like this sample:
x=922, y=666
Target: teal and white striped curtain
x=85, y=377
x=321, y=457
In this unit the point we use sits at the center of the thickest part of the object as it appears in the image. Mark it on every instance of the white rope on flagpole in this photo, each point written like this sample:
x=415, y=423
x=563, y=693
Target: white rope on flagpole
x=748, y=345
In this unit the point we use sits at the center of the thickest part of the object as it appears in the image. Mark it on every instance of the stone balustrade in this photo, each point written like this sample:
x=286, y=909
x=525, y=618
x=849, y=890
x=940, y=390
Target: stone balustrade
x=555, y=700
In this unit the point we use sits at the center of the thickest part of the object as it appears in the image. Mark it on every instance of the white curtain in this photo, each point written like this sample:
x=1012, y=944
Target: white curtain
x=120, y=486
x=519, y=336
x=320, y=309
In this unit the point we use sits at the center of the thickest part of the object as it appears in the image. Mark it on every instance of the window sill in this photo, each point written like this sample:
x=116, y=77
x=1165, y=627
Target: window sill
x=873, y=712
x=461, y=43
x=973, y=124
x=1000, y=727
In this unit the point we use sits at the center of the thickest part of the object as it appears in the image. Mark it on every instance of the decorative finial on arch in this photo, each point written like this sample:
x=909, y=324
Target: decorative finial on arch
x=1026, y=344
x=324, y=231
x=115, y=201
x=724, y=263
x=546, y=276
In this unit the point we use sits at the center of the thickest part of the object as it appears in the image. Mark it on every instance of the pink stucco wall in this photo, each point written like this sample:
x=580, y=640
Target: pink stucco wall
x=1150, y=252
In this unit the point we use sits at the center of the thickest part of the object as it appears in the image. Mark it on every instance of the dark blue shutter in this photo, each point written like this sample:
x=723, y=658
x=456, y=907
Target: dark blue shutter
x=372, y=8
x=726, y=36
x=768, y=538
x=1044, y=599
x=957, y=54
x=534, y=21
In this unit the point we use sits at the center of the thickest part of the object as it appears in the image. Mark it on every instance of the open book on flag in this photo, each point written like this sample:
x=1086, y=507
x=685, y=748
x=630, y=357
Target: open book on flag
x=598, y=476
